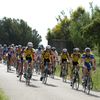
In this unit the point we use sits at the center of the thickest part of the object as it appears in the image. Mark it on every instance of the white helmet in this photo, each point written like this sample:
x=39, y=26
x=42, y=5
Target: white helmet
x=64, y=50
x=30, y=44
x=76, y=49
x=48, y=47
x=87, y=49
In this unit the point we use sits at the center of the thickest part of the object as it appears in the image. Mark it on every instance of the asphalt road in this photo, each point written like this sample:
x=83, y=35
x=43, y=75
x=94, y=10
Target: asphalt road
x=55, y=89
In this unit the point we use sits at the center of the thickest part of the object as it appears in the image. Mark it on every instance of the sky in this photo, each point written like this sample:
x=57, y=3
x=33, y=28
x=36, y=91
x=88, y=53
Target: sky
x=40, y=14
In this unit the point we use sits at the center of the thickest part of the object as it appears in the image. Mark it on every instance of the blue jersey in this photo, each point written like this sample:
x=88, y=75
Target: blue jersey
x=87, y=60
x=5, y=50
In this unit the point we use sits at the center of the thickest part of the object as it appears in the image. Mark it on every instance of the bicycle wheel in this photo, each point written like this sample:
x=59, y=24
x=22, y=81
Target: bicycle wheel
x=64, y=74
x=44, y=80
x=84, y=84
x=89, y=85
x=76, y=83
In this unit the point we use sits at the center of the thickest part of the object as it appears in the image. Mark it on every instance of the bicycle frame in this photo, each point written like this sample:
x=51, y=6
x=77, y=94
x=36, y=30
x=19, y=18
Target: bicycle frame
x=75, y=78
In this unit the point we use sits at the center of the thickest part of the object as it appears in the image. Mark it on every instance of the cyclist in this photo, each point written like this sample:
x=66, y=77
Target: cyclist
x=38, y=58
x=75, y=57
x=5, y=50
x=46, y=58
x=9, y=57
x=64, y=58
x=18, y=56
x=88, y=61
x=28, y=55
x=54, y=59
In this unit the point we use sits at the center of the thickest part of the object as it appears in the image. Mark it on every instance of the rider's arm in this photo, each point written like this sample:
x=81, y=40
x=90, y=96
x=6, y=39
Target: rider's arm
x=93, y=62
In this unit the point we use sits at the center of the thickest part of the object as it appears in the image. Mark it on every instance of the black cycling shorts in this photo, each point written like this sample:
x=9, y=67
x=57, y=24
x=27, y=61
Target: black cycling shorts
x=29, y=59
x=75, y=63
x=46, y=61
x=64, y=60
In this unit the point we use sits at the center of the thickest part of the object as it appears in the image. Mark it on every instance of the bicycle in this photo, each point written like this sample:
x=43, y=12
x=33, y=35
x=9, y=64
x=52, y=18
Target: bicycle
x=28, y=73
x=8, y=63
x=38, y=64
x=20, y=70
x=87, y=84
x=45, y=73
x=64, y=71
x=53, y=69
x=75, y=78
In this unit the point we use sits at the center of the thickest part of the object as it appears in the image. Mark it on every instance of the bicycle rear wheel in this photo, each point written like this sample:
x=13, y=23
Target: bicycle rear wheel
x=44, y=80
x=76, y=83
x=89, y=85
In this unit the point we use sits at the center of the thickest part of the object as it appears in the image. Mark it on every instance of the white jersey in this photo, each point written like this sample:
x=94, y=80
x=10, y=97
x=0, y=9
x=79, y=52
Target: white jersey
x=39, y=54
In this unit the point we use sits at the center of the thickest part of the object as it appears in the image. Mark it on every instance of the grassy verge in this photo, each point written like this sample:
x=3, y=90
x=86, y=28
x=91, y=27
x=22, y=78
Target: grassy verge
x=2, y=95
x=96, y=80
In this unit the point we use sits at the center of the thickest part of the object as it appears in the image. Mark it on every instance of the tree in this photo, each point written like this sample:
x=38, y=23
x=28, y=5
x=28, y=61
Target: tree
x=36, y=38
x=17, y=31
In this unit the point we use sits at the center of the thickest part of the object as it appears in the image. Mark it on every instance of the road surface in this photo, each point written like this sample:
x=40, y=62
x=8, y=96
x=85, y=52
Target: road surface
x=54, y=90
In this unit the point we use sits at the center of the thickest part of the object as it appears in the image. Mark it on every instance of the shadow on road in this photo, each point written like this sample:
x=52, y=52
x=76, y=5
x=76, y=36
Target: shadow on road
x=22, y=81
x=51, y=85
x=33, y=86
x=56, y=79
x=34, y=79
x=10, y=71
x=91, y=94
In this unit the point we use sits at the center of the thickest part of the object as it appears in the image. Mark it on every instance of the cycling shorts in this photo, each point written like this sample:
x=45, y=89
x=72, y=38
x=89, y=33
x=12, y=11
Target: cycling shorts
x=75, y=63
x=64, y=60
x=88, y=65
x=29, y=59
x=46, y=61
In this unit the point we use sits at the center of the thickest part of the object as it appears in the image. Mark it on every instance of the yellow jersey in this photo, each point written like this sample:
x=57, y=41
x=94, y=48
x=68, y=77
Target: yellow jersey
x=28, y=52
x=46, y=55
x=75, y=57
x=64, y=55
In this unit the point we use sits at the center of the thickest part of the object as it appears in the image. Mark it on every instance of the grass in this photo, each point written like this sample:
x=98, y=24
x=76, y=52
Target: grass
x=96, y=75
x=96, y=80
x=2, y=95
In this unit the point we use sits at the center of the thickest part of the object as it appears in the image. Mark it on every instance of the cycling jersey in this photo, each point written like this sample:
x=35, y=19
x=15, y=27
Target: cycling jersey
x=64, y=55
x=75, y=57
x=28, y=52
x=46, y=55
x=88, y=60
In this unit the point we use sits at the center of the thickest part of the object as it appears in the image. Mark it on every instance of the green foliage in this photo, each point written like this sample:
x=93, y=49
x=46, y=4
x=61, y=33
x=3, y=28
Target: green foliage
x=17, y=32
x=82, y=29
x=3, y=96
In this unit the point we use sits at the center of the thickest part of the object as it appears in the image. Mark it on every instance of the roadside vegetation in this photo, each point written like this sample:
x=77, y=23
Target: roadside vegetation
x=2, y=95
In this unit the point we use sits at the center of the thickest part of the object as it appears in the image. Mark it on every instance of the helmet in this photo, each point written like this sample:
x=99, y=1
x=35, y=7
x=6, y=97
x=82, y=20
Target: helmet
x=76, y=49
x=5, y=45
x=19, y=46
x=30, y=44
x=16, y=46
x=48, y=47
x=53, y=48
x=87, y=49
x=64, y=50
x=12, y=45
x=39, y=47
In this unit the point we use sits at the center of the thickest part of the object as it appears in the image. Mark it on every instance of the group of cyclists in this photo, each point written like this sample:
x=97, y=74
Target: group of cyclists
x=22, y=57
